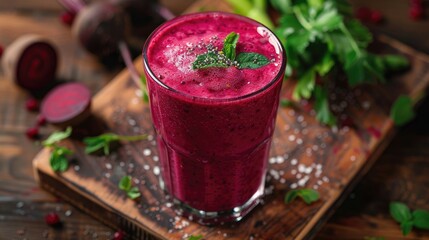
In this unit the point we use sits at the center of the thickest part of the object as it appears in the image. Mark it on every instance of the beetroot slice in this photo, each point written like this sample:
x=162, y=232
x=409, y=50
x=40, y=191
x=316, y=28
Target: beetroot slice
x=37, y=66
x=67, y=104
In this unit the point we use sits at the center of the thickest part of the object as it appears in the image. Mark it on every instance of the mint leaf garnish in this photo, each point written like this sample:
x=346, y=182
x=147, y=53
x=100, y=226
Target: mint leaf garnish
x=228, y=56
x=58, y=159
x=192, y=237
x=56, y=137
x=407, y=220
x=251, y=60
x=402, y=110
x=208, y=60
x=125, y=184
x=400, y=212
x=103, y=141
x=308, y=195
x=230, y=44
x=421, y=219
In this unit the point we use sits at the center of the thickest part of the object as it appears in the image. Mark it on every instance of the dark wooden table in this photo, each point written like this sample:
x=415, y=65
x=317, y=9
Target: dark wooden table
x=401, y=173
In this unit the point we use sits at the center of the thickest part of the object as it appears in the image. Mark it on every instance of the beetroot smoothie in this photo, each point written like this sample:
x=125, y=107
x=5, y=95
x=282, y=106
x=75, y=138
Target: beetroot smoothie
x=213, y=125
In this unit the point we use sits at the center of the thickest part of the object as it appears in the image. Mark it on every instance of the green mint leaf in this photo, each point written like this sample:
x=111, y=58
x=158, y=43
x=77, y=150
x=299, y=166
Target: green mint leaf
x=321, y=106
x=208, y=60
x=230, y=45
x=125, y=183
x=58, y=159
x=57, y=136
x=402, y=110
x=103, y=141
x=421, y=219
x=134, y=193
x=307, y=195
x=400, y=212
x=251, y=60
x=406, y=227
x=393, y=63
x=359, y=32
x=192, y=237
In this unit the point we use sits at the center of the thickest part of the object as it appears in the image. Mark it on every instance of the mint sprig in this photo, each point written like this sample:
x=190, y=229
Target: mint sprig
x=228, y=57
x=104, y=141
x=402, y=110
x=407, y=219
x=198, y=237
x=306, y=194
x=126, y=185
x=58, y=159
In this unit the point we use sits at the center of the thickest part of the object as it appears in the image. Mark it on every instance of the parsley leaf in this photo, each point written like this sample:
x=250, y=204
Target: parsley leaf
x=308, y=195
x=144, y=89
x=125, y=184
x=321, y=105
x=103, y=141
x=402, y=110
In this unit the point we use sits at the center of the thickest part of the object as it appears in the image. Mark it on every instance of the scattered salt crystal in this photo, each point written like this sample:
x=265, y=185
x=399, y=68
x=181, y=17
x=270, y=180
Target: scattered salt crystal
x=294, y=161
x=146, y=167
x=147, y=152
x=300, y=118
x=155, y=158
x=121, y=164
x=19, y=204
x=68, y=213
x=292, y=138
x=280, y=159
x=325, y=179
x=282, y=180
x=301, y=168
x=76, y=168
x=319, y=166
x=272, y=160
x=108, y=166
x=138, y=93
x=315, y=187
x=366, y=105
x=293, y=186
x=150, y=137
x=353, y=158
x=299, y=175
x=156, y=170
x=299, y=141
x=308, y=170
x=293, y=171
x=107, y=175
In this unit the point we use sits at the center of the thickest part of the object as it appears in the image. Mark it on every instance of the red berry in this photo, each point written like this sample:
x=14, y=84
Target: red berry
x=67, y=18
x=32, y=104
x=119, y=235
x=376, y=16
x=416, y=13
x=32, y=133
x=363, y=14
x=1, y=50
x=41, y=120
x=52, y=219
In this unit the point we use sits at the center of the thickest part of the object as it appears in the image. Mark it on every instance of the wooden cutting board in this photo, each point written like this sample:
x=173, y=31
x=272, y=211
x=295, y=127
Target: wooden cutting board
x=303, y=154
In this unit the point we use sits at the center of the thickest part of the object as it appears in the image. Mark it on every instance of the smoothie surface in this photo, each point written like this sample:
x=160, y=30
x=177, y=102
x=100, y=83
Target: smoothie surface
x=174, y=48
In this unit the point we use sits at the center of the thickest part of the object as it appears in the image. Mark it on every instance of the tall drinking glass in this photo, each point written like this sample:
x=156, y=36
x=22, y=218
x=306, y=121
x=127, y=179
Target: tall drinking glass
x=214, y=125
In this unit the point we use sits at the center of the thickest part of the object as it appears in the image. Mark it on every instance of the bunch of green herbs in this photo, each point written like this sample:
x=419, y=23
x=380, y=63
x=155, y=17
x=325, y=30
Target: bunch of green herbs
x=322, y=39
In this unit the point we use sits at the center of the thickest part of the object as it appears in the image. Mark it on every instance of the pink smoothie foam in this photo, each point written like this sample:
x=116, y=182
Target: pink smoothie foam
x=214, y=125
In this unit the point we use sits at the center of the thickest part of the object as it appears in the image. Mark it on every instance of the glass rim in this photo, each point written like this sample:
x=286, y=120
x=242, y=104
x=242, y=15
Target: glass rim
x=148, y=70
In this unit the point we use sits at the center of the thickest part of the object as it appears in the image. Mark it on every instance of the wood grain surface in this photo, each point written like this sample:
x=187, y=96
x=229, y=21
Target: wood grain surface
x=400, y=174
x=304, y=154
